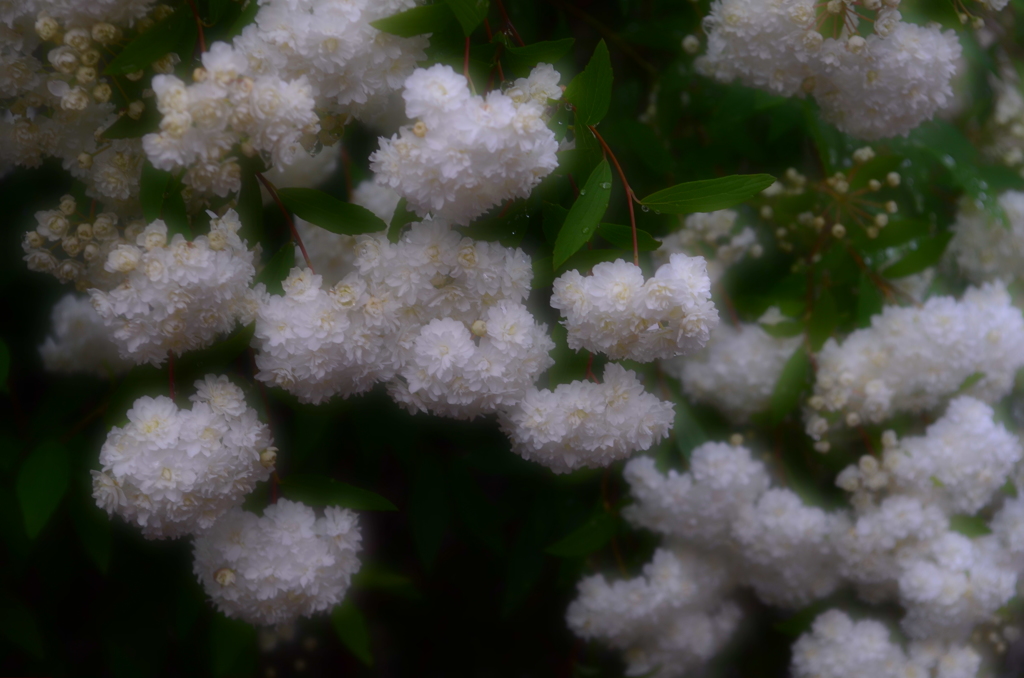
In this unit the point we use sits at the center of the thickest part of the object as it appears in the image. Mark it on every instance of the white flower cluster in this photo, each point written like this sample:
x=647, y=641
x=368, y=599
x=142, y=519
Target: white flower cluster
x=714, y=231
x=80, y=342
x=351, y=67
x=175, y=472
x=984, y=246
x=672, y=618
x=583, y=424
x=738, y=371
x=437, y=315
x=911, y=359
x=177, y=296
x=615, y=312
x=273, y=569
x=465, y=153
x=875, y=87
x=202, y=122
x=838, y=647
x=1005, y=129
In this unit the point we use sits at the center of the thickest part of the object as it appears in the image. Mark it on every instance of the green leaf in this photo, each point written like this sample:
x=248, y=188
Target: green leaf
x=553, y=218
x=126, y=127
x=928, y=253
x=783, y=329
x=622, y=237
x=350, y=626
x=429, y=510
x=790, y=386
x=370, y=577
x=41, y=484
x=416, y=21
x=969, y=526
x=469, y=13
x=323, y=491
x=687, y=430
x=869, y=300
x=708, y=195
x=587, y=538
x=173, y=210
x=93, y=529
x=591, y=91
x=329, y=213
x=969, y=381
x=276, y=270
x=402, y=216
x=231, y=643
x=824, y=318
x=5, y=365
x=585, y=214
x=169, y=35
x=250, y=206
x=152, y=186
x=899, y=232
x=18, y=626
x=247, y=16
x=522, y=59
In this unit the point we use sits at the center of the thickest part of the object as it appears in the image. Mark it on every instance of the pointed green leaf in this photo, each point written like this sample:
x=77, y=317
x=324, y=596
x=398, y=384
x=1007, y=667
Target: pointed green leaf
x=469, y=13
x=250, y=206
x=969, y=381
x=429, y=510
x=18, y=626
x=585, y=215
x=402, y=216
x=708, y=195
x=276, y=270
x=350, y=626
x=928, y=253
x=41, y=484
x=969, y=526
x=622, y=237
x=869, y=300
x=323, y=491
x=152, y=187
x=587, y=538
x=329, y=213
x=789, y=388
x=824, y=318
x=417, y=21
x=591, y=91
x=93, y=529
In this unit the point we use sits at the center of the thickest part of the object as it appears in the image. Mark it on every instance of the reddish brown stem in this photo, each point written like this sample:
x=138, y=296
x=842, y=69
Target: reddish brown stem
x=629, y=192
x=275, y=480
x=465, y=63
x=287, y=217
x=590, y=370
x=199, y=26
x=508, y=22
x=733, y=317
x=170, y=373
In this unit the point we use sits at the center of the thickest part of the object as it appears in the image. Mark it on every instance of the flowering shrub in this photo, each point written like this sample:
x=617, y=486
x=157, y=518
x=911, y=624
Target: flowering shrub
x=475, y=336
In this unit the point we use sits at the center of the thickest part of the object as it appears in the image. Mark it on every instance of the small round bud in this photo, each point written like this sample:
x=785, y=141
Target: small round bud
x=853, y=420
x=691, y=44
x=75, y=99
x=268, y=457
x=71, y=245
x=33, y=240
x=893, y=179
x=822, y=446
x=838, y=231
x=78, y=39
x=881, y=220
x=200, y=74
x=736, y=439
x=105, y=33
x=166, y=63
x=84, y=160
x=863, y=154
x=47, y=28
x=224, y=576
x=756, y=251
x=875, y=185
x=818, y=223
x=891, y=207
x=84, y=231
x=856, y=44
x=102, y=92
x=767, y=212
x=479, y=328
x=889, y=439
x=63, y=59
x=90, y=57
x=419, y=129
x=91, y=252
x=135, y=109
x=816, y=402
x=135, y=76
x=68, y=205
x=872, y=232
x=868, y=465
x=85, y=75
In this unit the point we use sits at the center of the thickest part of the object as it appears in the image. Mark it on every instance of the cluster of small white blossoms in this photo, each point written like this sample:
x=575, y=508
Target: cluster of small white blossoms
x=276, y=568
x=333, y=255
x=465, y=153
x=615, y=312
x=984, y=246
x=912, y=358
x=438, y=316
x=175, y=472
x=672, y=620
x=1005, y=129
x=738, y=371
x=587, y=424
x=177, y=296
x=714, y=236
x=225, y=107
x=871, y=88
x=351, y=66
x=80, y=342
x=839, y=647
x=74, y=249
x=75, y=13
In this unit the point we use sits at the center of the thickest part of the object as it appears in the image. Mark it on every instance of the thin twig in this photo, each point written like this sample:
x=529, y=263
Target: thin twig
x=199, y=26
x=629, y=192
x=287, y=217
x=170, y=373
x=508, y=22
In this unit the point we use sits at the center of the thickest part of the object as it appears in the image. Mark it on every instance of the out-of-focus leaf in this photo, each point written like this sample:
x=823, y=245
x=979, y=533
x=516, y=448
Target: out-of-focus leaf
x=583, y=218
x=928, y=253
x=152, y=187
x=429, y=510
x=18, y=625
x=708, y=195
x=126, y=127
x=469, y=13
x=93, y=529
x=276, y=270
x=231, y=641
x=329, y=213
x=824, y=318
x=553, y=218
x=5, y=365
x=250, y=206
x=791, y=385
x=416, y=21
x=869, y=300
x=522, y=59
x=169, y=35
x=622, y=237
x=350, y=626
x=969, y=526
x=587, y=538
x=173, y=211
x=591, y=91
x=323, y=491
x=781, y=330
x=402, y=216
x=969, y=381
x=42, y=481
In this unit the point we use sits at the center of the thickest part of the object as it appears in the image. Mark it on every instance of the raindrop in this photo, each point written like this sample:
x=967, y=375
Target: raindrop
x=983, y=185
x=657, y=211
x=568, y=107
x=606, y=184
x=948, y=161
x=586, y=230
x=583, y=192
x=645, y=208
